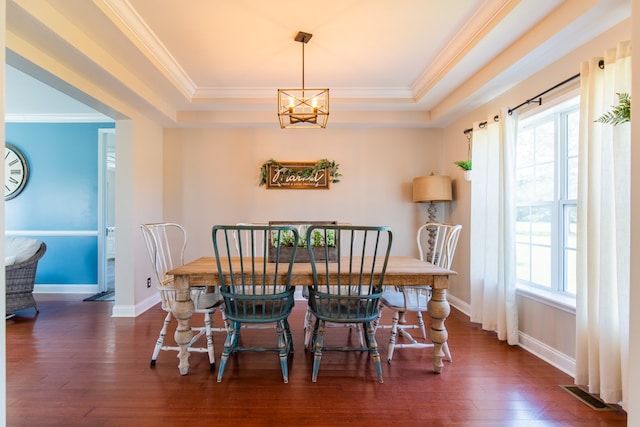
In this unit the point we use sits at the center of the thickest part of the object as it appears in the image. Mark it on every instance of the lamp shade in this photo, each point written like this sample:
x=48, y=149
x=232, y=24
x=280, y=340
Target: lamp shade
x=432, y=188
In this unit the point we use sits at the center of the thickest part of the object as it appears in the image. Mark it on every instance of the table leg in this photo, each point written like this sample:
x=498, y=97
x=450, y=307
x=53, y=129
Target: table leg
x=439, y=309
x=182, y=310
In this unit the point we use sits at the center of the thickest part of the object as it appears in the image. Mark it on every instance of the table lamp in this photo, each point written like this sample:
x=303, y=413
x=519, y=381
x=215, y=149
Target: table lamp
x=432, y=188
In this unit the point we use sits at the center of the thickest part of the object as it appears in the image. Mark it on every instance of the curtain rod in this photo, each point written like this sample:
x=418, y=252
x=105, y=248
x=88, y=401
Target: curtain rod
x=537, y=98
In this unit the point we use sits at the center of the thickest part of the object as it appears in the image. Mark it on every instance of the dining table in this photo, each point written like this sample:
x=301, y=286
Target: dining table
x=400, y=271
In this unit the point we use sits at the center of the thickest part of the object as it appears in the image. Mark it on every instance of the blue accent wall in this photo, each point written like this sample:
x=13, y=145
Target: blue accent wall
x=61, y=196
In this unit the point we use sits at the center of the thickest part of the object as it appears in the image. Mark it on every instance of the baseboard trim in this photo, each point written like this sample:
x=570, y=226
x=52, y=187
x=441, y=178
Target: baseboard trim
x=66, y=289
x=459, y=304
x=550, y=355
x=539, y=349
x=128, y=310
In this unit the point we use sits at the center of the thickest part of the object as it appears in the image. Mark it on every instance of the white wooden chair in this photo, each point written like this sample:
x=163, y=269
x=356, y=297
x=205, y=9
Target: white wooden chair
x=166, y=243
x=437, y=244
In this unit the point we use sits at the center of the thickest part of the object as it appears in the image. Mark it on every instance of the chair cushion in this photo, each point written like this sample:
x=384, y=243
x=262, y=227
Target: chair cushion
x=22, y=248
x=396, y=300
x=9, y=260
x=208, y=300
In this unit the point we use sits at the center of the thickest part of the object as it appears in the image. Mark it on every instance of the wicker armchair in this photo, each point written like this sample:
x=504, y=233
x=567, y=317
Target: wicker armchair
x=21, y=278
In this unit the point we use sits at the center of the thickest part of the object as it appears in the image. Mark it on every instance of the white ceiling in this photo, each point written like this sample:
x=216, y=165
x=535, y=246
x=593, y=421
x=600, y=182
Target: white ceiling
x=219, y=62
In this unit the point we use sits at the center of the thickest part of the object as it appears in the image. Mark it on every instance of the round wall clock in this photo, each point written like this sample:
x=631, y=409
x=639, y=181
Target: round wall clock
x=16, y=171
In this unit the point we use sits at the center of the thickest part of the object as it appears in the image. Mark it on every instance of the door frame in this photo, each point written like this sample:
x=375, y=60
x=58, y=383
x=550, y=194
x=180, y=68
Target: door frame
x=104, y=136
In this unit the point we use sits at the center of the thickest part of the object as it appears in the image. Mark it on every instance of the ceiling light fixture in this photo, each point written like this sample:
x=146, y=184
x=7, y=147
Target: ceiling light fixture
x=303, y=108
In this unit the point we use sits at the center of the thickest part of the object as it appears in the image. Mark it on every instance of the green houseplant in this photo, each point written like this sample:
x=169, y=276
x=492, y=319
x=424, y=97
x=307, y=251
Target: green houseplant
x=621, y=113
x=465, y=165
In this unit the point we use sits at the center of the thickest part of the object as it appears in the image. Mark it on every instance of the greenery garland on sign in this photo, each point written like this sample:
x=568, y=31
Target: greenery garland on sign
x=319, y=166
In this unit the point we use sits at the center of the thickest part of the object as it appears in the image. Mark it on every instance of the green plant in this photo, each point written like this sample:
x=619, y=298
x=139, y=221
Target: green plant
x=465, y=165
x=320, y=165
x=621, y=113
x=317, y=239
x=286, y=238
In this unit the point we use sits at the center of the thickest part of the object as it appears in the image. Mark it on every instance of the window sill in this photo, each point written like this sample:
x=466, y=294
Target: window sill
x=550, y=298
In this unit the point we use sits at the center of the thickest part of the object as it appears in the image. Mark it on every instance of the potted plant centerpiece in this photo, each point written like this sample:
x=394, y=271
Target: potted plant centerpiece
x=317, y=242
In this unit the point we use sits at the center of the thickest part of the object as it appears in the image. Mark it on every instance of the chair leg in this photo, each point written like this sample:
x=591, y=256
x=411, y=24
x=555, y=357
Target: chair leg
x=229, y=345
x=376, y=322
x=360, y=336
x=160, y=341
x=308, y=328
x=225, y=321
x=282, y=349
x=402, y=320
x=447, y=353
x=373, y=349
x=393, y=335
x=421, y=325
x=209, y=335
x=365, y=344
x=318, y=342
x=289, y=337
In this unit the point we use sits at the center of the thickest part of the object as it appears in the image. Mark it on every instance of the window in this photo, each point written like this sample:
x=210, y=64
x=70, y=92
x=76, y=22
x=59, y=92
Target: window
x=546, y=192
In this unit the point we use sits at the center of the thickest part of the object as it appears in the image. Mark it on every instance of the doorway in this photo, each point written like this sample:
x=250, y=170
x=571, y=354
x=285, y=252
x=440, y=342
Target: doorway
x=106, y=209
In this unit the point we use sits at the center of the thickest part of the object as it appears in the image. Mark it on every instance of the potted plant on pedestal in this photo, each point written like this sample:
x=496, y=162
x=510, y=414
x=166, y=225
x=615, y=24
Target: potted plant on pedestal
x=465, y=165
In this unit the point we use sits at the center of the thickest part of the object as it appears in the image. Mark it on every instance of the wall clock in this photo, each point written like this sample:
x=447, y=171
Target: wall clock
x=16, y=171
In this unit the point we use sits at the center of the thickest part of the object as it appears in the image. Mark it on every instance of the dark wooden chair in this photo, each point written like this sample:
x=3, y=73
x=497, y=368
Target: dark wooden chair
x=256, y=291
x=352, y=295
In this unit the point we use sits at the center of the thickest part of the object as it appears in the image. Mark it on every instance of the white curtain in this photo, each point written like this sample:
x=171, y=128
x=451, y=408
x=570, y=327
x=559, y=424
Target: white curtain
x=602, y=303
x=492, y=234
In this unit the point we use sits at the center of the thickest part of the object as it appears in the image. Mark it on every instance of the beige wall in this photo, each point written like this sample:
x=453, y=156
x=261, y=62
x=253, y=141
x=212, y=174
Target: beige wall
x=138, y=199
x=211, y=177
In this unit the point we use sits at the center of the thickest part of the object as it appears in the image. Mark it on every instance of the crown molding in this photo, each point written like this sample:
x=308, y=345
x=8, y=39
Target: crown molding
x=482, y=22
x=58, y=118
x=337, y=93
x=125, y=17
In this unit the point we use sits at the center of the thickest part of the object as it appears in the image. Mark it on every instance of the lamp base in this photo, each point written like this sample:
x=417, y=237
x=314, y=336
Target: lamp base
x=431, y=210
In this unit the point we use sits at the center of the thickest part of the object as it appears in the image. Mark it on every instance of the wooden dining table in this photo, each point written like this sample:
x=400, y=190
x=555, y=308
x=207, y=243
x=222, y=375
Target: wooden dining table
x=401, y=271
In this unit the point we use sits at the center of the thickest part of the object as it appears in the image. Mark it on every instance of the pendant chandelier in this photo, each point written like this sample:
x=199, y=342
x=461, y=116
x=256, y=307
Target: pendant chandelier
x=303, y=108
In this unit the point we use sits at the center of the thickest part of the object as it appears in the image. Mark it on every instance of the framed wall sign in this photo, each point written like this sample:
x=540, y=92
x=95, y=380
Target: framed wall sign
x=299, y=175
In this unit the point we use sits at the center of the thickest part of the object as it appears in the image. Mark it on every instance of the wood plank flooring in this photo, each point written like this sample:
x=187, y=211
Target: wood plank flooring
x=74, y=365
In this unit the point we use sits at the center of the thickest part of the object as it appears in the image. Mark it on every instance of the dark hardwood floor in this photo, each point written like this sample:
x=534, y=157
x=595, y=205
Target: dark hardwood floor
x=74, y=365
